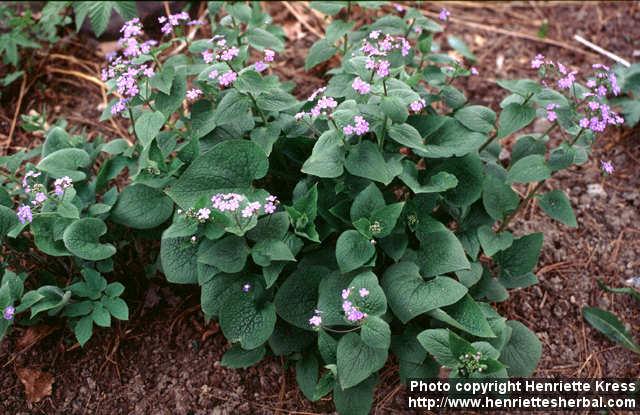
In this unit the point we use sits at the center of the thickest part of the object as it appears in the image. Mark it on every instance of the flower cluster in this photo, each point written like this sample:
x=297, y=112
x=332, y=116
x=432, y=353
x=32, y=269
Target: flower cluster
x=39, y=193
x=360, y=126
x=8, y=313
x=607, y=167
x=471, y=363
x=233, y=202
x=377, y=47
x=269, y=56
x=352, y=312
x=173, y=20
x=222, y=52
x=360, y=86
x=126, y=74
x=316, y=320
x=551, y=114
x=417, y=106
x=194, y=94
x=444, y=14
x=323, y=106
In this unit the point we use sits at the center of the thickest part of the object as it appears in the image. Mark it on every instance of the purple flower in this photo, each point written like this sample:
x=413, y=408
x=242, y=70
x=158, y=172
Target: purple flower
x=61, y=184
x=606, y=167
x=24, y=214
x=363, y=292
x=615, y=88
x=227, y=78
x=591, y=83
x=315, y=321
x=250, y=209
x=260, y=66
x=348, y=129
x=203, y=214
x=362, y=126
x=405, y=47
x=474, y=71
x=567, y=81
x=271, y=204
x=8, y=312
x=246, y=287
x=40, y=198
x=538, y=61
x=227, y=202
x=229, y=54
x=399, y=7
x=315, y=93
x=361, y=86
x=300, y=115
x=193, y=94
x=213, y=74
x=584, y=123
x=25, y=180
x=345, y=293
x=444, y=14
x=148, y=72
x=417, y=106
x=383, y=68
x=269, y=55
x=551, y=114
x=208, y=56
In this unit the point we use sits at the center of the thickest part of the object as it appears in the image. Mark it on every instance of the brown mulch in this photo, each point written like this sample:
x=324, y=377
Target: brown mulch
x=166, y=359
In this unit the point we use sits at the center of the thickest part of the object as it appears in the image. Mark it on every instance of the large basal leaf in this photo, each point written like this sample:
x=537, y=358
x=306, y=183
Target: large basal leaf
x=532, y=168
x=142, y=207
x=498, y=198
x=8, y=220
x=365, y=160
x=327, y=157
x=436, y=342
x=47, y=232
x=356, y=400
x=82, y=238
x=465, y=315
x=436, y=183
x=409, y=295
x=321, y=51
x=239, y=358
x=521, y=257
x=356, y=361
x=228, y=254
x=228, y=166
x=297, y=298
x=353, y=251
x=492, y=242
x=446, y=137
x=178, y=257
x=468, y=171
x=440, y=251
x=476, y=118
x=65, y=162
x=148, y=125
x=242, y=320
x=522, y=353
x=609, y=325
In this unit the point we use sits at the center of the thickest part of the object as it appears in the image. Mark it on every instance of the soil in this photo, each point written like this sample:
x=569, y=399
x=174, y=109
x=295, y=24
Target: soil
x=165, y=360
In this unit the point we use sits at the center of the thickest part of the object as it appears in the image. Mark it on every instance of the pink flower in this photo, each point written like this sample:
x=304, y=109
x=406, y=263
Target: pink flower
x=208, y=56
x=417, y=106
x=383, y=68
x=360, y=86
x=229, y=54
x=538, y=61
x=227, y=78
x=213, y=74
x=269, y=55
x=193, y=94
x=260, y=66
x=606, y=167
x=474, y=71
x=315, y=321
x=444, y=14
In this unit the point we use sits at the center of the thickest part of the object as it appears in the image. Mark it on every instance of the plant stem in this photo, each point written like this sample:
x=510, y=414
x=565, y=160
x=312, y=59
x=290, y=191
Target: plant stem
x=133, y=125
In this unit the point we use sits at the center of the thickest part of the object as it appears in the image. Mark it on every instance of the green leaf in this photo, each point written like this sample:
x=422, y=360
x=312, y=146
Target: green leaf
x=436, y=342
x=148, y=125
x=527, y=145
x=521, y=257
x=65, y=162
x=452, y=97
x=276, y=100
x=202, y=118
x=238, y=358
x=232, y=107
x=386, y=217
x=375, y=332
x=469, y=173
x=357, y=361
x=406, y=135
x=163, y=80
x=297, y=298
x=367, y=201
x=492, y=242
x=328, y=7
x=514, y=117
x=522, y=87
x=609, y=325
x=101, y=316
x=446, y=136
x=303, y=214
x=229, y=254
x=357, y=400
x=437, y=183
x=461, y=47
x=178, y=257
x=374, y=304
x=83, y=329
x=410, y=295
x=476, y=118
x=57, y=139
x=229, y=166
x=498, y=198
x=142, y=207
x=8, y=220
x=321, y=51
x=267, y=250
x=244, y=321
x=556, y=204
x=353, y=251
x=117, y=307
x=397, y=111
x=531, y=168
x=81, y=238
x=465, y=315
x=327, y=157
x=337, y=29
x=440, y=251
x=522, y=353
x=261, y=39
x=47, y=234
x=307, y=375
x=365, y=160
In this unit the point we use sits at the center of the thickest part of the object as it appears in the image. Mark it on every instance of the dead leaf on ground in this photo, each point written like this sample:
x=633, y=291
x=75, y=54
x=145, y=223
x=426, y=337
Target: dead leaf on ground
x=37, y=384
x=33, y=335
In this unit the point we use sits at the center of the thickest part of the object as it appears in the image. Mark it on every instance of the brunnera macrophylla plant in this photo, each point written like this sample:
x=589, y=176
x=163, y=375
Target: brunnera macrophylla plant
x=372, y=218
x=57, y=209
